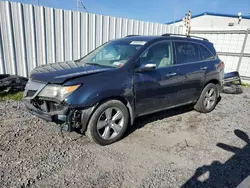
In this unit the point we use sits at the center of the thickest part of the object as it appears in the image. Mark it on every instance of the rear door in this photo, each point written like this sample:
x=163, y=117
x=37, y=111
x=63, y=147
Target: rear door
x=191, y=68
x=211, y=64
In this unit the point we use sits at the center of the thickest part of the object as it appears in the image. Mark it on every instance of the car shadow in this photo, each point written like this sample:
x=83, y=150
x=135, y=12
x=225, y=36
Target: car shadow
x=229, y=174
x=140, y=122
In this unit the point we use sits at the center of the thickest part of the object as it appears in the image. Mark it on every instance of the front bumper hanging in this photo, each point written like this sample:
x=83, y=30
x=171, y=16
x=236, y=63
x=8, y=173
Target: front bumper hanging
x=57, y=117
x=232, y=77
x=70, y=117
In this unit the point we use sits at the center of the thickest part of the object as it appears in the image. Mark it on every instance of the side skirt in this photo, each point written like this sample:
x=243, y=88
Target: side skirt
x=166, y=108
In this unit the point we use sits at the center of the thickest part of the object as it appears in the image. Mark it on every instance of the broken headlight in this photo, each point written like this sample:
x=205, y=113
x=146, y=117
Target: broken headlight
x=57, y=92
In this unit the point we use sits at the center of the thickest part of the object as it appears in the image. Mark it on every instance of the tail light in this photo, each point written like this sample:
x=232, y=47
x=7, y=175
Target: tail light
x=222, y=64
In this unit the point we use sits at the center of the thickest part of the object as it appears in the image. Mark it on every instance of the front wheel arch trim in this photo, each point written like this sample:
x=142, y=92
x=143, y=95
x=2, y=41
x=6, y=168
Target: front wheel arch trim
x=88, y=112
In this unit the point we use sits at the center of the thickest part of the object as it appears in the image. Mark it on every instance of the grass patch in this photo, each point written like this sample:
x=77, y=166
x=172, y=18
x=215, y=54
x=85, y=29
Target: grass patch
x=11, y=96
x=244, y=84
x=236, y=82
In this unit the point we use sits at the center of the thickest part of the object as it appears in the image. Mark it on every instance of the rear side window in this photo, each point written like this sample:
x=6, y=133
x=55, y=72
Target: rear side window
x=187, y=52
x=207, y=55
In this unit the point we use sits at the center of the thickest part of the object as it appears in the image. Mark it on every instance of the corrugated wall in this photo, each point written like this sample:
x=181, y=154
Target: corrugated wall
x=35, y=35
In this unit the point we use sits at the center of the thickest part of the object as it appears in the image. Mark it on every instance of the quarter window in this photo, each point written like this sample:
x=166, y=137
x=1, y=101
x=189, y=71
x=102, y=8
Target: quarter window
x=206, y=53
x=187, y=52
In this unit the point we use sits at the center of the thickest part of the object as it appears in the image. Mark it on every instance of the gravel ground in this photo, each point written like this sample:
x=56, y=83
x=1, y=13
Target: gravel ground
x=177, y=148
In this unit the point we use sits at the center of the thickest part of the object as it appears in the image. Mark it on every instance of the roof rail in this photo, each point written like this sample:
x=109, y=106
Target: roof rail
x=131, y=35
x=188, y=36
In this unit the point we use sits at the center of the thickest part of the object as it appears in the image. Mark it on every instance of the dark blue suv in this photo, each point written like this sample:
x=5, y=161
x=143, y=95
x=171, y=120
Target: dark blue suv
x=102, y=93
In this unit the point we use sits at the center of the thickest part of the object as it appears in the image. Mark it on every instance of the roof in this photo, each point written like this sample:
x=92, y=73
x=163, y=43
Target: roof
x=171, y=37
x=139, y=38
x=212, y=14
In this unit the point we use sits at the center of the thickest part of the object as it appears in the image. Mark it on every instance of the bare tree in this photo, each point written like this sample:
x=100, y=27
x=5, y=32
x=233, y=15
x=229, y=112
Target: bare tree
x=80, y=5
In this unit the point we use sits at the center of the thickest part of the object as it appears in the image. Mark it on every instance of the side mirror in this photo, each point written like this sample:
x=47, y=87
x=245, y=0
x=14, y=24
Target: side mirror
x=147, y=67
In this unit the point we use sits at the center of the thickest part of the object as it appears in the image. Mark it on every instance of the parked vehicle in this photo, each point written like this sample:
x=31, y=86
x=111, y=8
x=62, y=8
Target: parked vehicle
x=102, y=93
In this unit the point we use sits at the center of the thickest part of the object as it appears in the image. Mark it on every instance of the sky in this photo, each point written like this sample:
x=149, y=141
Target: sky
x=160, y=11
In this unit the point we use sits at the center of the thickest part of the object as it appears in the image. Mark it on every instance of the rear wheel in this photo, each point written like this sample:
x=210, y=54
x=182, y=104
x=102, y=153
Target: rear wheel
x=108, y=123
x=208, y=99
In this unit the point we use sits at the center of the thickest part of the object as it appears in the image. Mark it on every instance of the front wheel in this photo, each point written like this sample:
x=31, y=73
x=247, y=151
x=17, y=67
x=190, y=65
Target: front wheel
x=208, y=99
x=108, y=123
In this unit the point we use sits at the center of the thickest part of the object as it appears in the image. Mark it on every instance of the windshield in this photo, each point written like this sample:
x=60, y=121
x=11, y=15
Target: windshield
x=113, y=54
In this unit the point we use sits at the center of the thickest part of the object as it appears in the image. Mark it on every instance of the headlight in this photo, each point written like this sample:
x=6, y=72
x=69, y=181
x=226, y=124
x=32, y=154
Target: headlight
x=57, y=92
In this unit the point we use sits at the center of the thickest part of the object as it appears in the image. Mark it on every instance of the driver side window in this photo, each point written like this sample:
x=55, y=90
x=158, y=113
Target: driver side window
x=160, y=54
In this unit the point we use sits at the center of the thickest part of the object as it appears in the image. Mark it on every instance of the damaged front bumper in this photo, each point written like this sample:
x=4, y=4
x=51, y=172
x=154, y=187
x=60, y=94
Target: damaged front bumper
x=57, y=116
x=69, y=117
x=61, y=117
x=45, y=109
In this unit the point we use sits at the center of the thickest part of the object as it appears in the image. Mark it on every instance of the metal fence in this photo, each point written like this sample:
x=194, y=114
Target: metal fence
x=233, y=47
x=35, y=35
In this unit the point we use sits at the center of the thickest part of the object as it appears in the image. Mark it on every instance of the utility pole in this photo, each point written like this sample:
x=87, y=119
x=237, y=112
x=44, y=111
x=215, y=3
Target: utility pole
x=187, y=22
x=239, y=17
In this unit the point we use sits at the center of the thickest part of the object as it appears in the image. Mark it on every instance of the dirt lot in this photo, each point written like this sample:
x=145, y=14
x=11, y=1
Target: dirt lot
x=169, y=149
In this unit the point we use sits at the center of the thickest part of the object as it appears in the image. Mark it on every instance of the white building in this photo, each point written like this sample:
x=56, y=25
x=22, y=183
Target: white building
x=215, y=21
x=229, y=34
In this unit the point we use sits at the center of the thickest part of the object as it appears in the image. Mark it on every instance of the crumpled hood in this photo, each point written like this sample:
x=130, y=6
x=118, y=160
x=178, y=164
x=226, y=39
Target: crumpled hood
x=60, y=72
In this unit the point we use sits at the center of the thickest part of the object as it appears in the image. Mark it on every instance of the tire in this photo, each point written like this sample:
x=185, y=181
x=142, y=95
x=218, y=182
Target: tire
x=202, y=105
x=106, y=125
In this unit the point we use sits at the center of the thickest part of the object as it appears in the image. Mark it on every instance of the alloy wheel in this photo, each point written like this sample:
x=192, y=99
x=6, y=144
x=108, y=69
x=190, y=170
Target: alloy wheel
x=210, y=98
x=110, y=123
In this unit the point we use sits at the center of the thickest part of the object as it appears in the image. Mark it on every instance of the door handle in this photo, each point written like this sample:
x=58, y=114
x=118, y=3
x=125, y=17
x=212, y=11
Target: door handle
x=171, y=74
x=203, y=68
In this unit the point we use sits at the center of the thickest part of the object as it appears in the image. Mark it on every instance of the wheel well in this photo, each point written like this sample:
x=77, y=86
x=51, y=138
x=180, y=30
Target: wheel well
x=213, y=81
x=125, y=102
x=90, y=111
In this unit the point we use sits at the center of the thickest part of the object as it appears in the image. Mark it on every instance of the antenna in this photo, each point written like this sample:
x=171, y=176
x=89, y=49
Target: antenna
x=80, y=5
x=174, y=16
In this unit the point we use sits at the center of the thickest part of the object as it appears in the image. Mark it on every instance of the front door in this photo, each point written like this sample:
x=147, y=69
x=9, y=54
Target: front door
x=157, y=89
